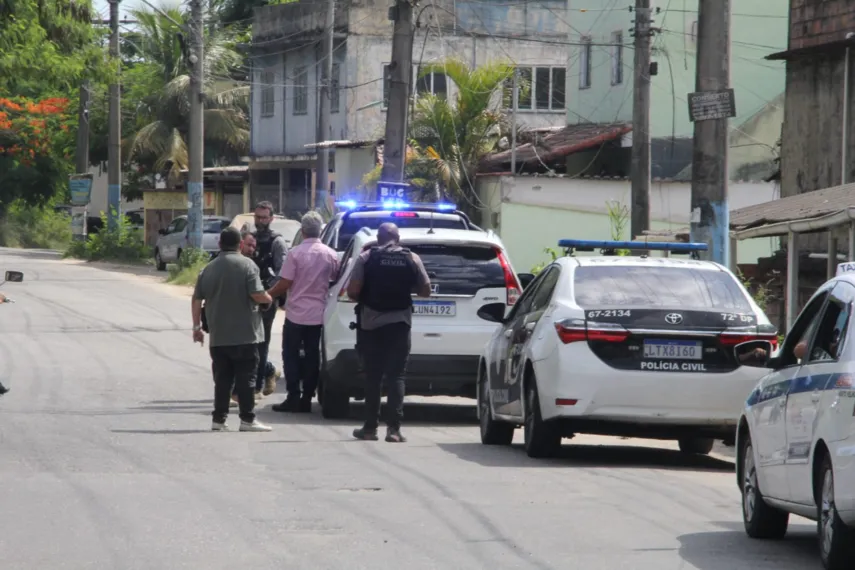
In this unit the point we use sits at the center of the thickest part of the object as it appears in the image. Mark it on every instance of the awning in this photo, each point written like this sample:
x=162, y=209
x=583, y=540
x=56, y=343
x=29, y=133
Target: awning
x=803, y=213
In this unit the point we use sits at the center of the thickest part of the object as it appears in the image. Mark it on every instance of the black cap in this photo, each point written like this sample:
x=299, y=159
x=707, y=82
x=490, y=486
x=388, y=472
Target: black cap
x=229, y=239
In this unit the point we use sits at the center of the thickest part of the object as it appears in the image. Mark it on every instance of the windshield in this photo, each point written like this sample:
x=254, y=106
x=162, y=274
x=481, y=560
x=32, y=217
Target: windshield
x=353, y=224
x=214, y=226
x=460, y=269
x=671, y=287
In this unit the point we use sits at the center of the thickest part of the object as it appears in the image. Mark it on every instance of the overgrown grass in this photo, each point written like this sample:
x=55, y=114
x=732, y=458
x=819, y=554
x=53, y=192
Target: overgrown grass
x=190, y=264
x=120, y=243
x=35, y=227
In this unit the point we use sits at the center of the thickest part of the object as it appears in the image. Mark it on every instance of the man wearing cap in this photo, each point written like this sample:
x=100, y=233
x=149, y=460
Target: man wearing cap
x=306, y=276
x=232, y=292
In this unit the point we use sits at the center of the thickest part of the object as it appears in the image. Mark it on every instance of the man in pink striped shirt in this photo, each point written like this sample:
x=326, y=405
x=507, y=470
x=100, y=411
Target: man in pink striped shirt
x=306, y=277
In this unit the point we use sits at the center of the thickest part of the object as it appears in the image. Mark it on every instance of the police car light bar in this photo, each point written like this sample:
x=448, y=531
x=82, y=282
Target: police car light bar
x=591, y=245
x=395, y=205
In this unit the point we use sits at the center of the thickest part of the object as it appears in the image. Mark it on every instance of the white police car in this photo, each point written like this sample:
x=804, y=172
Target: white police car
x=468, y=271
x=619, y=345
x=796, y=438
x=355, y=216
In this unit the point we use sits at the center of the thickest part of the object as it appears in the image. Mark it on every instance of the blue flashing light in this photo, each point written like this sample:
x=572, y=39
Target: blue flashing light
x=347, y=204
x=445, y=206
x=394, y=204
x=590, y=244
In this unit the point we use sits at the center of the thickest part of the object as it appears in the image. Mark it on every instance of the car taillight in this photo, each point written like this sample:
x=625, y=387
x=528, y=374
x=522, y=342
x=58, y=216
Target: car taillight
x=512, y=286
x=734, y=338
x=575, y=330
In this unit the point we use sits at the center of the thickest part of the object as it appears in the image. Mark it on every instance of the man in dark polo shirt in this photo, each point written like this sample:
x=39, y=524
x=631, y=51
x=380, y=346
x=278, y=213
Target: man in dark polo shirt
x=232, y=291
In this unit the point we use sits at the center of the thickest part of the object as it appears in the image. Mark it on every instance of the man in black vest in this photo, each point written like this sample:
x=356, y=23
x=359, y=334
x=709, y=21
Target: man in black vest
x=270, y=251
x=383, y=281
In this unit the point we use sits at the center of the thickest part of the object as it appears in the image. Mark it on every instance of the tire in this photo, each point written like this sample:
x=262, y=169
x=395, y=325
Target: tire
x=761, y=520
x=158, y=261
x=836, y=540
x=335, y=404
x=541, y=440
x=492, y=431
x=696, y=445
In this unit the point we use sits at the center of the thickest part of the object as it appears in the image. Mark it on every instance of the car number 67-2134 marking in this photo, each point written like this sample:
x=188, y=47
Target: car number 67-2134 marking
x=733, y=317
x=609, y=313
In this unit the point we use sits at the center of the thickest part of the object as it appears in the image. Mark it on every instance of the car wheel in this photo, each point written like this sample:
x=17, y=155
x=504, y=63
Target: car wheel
x=158, y=261
x=541, y=439
x=696, y=445
x=760, y=519
x=335, y=404
x=836, y=540
x=492, y=432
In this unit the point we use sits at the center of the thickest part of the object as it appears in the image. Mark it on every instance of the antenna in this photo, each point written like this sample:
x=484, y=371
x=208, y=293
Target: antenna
x=430, y=230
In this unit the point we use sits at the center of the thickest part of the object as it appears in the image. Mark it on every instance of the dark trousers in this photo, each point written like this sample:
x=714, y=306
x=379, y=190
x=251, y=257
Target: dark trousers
x=308, y=338
x=234, y=369
x=267, y=318
x=385, y=351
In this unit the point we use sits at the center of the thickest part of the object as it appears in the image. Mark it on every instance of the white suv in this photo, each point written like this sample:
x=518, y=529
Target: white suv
x=468, y=271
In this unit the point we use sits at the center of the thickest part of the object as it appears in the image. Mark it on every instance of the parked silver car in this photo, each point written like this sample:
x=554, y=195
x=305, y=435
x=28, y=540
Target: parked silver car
x=176, y=238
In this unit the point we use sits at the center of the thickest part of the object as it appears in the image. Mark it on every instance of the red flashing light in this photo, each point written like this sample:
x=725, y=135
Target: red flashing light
x=404, y=215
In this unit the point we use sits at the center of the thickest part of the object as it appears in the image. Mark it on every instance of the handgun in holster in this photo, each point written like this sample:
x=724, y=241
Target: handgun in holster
x=357, y=326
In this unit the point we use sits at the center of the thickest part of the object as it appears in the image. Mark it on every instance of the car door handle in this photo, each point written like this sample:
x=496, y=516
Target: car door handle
x=508, y=333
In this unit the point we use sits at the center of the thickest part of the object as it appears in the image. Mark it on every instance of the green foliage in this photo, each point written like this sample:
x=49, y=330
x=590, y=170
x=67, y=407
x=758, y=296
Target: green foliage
x=191, y=262
x=759, y=291
x=35, y=226
x=619, y=216
x=553, y=254
x=120, y=243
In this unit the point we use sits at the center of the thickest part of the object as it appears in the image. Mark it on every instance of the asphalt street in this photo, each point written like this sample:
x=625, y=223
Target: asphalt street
x=106, y=462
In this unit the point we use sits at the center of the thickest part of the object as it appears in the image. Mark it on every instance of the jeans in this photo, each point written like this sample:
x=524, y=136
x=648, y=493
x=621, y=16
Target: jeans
x=234, y=369
x=385, y=351
x=308, y=338
x=267, y=317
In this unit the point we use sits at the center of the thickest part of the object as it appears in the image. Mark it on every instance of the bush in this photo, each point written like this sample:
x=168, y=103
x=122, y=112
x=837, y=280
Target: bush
x=121, y=243
x=36, y=227
x=190, y=264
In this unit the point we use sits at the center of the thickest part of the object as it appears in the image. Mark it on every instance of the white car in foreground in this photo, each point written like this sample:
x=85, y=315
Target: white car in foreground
x=630, y=346
x=796, y=438
x=469, y=270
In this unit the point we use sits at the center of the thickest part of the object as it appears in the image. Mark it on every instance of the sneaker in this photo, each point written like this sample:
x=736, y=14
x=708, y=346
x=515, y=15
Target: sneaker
x=270, y=382
x=255, y=425
x=258, y=396
x=219, y=426
x=234, y=401
x=365, y=435
x=393, y=435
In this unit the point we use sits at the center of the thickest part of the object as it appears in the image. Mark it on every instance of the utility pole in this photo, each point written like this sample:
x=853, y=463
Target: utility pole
x=640, y=166
x=515, y=100
x=323, y=162
x=401, y=71
x=197, y=127
x=710, y=217
x=82, y=155
x=114, y=149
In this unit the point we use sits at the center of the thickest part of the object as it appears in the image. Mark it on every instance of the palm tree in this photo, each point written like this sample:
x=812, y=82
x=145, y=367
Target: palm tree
x=160, y=138
x=456, y=135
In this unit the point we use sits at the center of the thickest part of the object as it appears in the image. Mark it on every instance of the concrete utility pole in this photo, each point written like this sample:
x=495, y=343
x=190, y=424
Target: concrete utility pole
x=114, y=149
x=640, y=167
x=401, y=71
x=82, y=153
x=710, y=218
x=323, y=164
x=515, y=100
x=197, y=127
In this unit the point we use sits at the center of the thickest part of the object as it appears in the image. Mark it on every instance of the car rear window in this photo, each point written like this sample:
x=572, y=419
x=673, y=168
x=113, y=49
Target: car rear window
x=461, y=269
x=214, y=226
x=353, y=224
x=672, y=287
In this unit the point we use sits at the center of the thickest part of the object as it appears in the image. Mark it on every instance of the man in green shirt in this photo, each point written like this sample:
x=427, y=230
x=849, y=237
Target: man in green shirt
x=232, y=291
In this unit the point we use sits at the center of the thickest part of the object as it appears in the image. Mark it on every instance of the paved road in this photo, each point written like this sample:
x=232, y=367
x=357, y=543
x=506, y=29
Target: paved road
x=106, y=463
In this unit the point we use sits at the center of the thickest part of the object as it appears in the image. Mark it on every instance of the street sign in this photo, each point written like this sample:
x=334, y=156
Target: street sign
x=80, y=186
x=392, y=191
x=710, y=105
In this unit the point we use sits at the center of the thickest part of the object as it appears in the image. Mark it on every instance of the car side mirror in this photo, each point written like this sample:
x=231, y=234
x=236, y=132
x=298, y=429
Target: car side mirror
x=525, y=279
x=755, y=353
x=13, y=277
x=161, y=231
x=494, y=312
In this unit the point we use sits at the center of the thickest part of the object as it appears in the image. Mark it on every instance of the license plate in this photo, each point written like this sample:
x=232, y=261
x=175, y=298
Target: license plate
x=435, y=308
x=674, y=349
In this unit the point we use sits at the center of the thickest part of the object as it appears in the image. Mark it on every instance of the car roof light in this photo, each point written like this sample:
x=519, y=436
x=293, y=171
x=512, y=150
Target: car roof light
x=609, y=247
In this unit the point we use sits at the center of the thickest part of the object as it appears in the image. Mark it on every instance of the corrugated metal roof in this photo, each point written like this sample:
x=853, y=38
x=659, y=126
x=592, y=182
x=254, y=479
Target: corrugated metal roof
x=570, y=139
x=792, y=208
